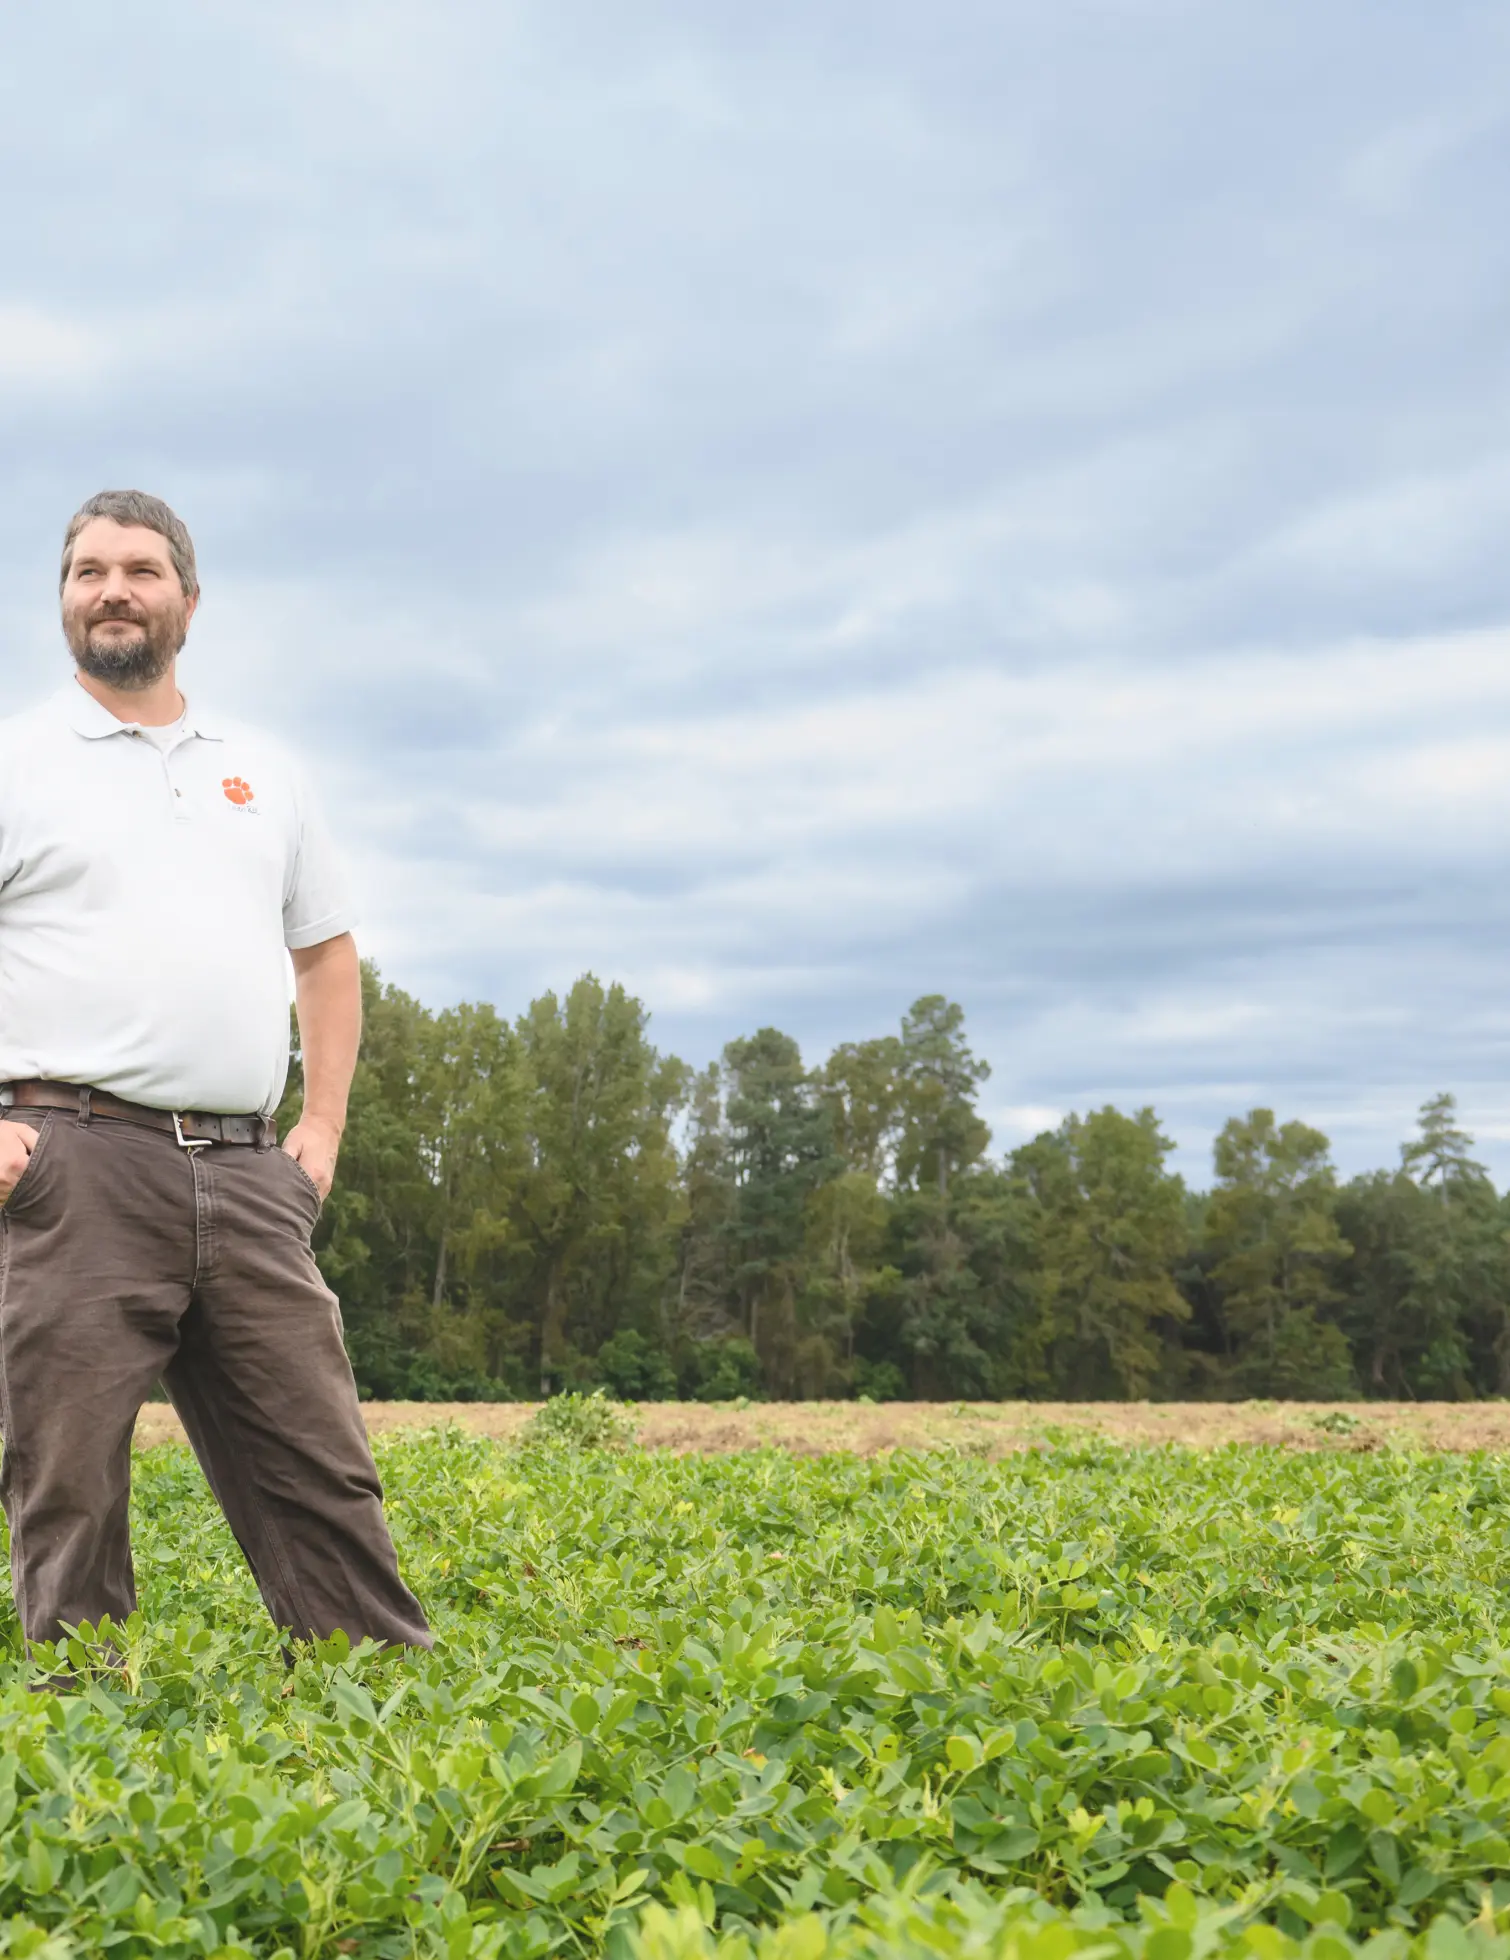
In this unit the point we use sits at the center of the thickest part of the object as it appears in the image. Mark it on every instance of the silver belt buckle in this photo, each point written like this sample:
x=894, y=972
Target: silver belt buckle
x=187, y=1143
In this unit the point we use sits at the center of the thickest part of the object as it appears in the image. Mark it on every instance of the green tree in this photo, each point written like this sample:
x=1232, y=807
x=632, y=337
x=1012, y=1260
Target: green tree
x=473, y=1088
x=948, y=1309
x=1109, y=1231
x=843, y=1264
x=1426, y=1247
x=862, y=1088
x=780, y=1151
x=375, y=1240
x=702, y=1306
x=631, y=1366
x=598, y=1200
x=1438, y=1158
x=1488, y=1312
x=1277, y=1253
x=941, y=1131
x=511, y=1208
x=1406, y=1291
x=1444, y=1325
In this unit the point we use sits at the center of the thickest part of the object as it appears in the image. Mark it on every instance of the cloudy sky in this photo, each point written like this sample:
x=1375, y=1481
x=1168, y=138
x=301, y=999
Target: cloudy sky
x=794, y=507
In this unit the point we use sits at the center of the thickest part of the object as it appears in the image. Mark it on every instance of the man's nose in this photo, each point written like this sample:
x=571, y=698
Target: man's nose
x=116, y=587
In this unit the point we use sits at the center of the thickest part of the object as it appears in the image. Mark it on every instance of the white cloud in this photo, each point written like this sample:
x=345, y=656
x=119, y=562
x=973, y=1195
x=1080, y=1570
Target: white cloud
x=798, y=509
x=39, y=347
x=1393, y=168
x=1018, y=1122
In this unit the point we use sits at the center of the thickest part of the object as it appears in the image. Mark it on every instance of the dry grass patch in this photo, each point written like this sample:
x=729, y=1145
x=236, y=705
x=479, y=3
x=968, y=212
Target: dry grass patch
x=981, y=1428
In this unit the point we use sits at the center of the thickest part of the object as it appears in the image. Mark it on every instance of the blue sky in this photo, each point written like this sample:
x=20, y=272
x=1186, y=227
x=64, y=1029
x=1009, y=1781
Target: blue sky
x=794, y=508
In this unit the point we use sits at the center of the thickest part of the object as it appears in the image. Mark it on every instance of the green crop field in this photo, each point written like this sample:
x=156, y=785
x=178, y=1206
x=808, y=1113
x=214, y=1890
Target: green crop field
x=1082, y=1700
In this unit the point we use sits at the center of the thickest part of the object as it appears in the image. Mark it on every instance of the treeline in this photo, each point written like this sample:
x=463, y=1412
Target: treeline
x=550, y=1203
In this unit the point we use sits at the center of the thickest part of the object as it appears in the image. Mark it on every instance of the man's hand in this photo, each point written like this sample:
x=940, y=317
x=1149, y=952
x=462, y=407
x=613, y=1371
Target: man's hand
x=17, y=1142
x=314, y=1146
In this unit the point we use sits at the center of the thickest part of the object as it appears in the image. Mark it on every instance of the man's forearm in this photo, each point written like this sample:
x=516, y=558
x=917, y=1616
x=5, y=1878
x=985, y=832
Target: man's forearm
x=328, y=995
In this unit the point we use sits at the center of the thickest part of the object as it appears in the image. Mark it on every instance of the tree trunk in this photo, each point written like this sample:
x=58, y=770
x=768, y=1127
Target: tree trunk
x=550, y=1329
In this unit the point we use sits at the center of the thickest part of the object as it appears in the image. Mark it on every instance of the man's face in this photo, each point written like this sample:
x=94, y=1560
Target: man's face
x=125, y=615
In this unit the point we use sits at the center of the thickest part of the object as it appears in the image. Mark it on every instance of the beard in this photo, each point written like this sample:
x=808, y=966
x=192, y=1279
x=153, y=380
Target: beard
x=131, y=662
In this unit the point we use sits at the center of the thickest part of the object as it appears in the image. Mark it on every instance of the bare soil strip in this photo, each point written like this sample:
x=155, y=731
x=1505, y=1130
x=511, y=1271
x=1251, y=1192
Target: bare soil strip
x=978, y=1428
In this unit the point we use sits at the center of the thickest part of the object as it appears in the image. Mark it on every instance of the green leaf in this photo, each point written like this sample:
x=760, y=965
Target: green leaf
x=1418, y=1884
x=963, y=1753
x=43, y=1866
x=1385, y=1853
x=1405, y=1680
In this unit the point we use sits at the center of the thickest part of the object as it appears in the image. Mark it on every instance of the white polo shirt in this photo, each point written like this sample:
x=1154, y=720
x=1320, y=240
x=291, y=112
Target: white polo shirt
x=148, y=888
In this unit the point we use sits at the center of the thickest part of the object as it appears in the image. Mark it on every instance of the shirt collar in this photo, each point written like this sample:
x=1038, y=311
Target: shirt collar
x=91, y=719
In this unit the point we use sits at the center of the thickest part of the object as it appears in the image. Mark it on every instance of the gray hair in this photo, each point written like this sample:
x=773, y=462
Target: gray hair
x=136, y=507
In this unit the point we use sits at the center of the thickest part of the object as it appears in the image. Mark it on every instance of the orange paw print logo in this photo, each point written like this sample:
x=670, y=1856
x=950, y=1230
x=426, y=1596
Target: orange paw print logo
x=236, y=790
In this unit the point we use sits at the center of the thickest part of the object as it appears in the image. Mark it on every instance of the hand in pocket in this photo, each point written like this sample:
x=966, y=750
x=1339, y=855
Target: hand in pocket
x=17, y=1142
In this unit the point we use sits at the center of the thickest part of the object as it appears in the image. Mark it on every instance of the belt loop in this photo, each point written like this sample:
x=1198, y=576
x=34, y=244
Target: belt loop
x=84, y=1109
x=266, y=1134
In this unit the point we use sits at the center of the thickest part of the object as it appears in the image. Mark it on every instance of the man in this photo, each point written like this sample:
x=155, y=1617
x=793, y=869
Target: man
x=155, y=861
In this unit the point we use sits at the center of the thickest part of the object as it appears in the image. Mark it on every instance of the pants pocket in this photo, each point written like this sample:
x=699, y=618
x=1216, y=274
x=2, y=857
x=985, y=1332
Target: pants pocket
x=307, y=1185
x=41, y=1124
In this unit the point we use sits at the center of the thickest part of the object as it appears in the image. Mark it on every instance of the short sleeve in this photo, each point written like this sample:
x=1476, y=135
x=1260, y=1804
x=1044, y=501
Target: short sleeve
x=316, y=898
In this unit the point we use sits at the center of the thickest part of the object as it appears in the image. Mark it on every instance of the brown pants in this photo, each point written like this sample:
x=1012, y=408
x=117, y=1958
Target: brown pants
x=125, y=1258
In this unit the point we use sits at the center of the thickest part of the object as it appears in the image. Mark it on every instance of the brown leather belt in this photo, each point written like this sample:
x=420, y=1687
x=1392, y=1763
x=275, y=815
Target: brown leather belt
x=186, y=1126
